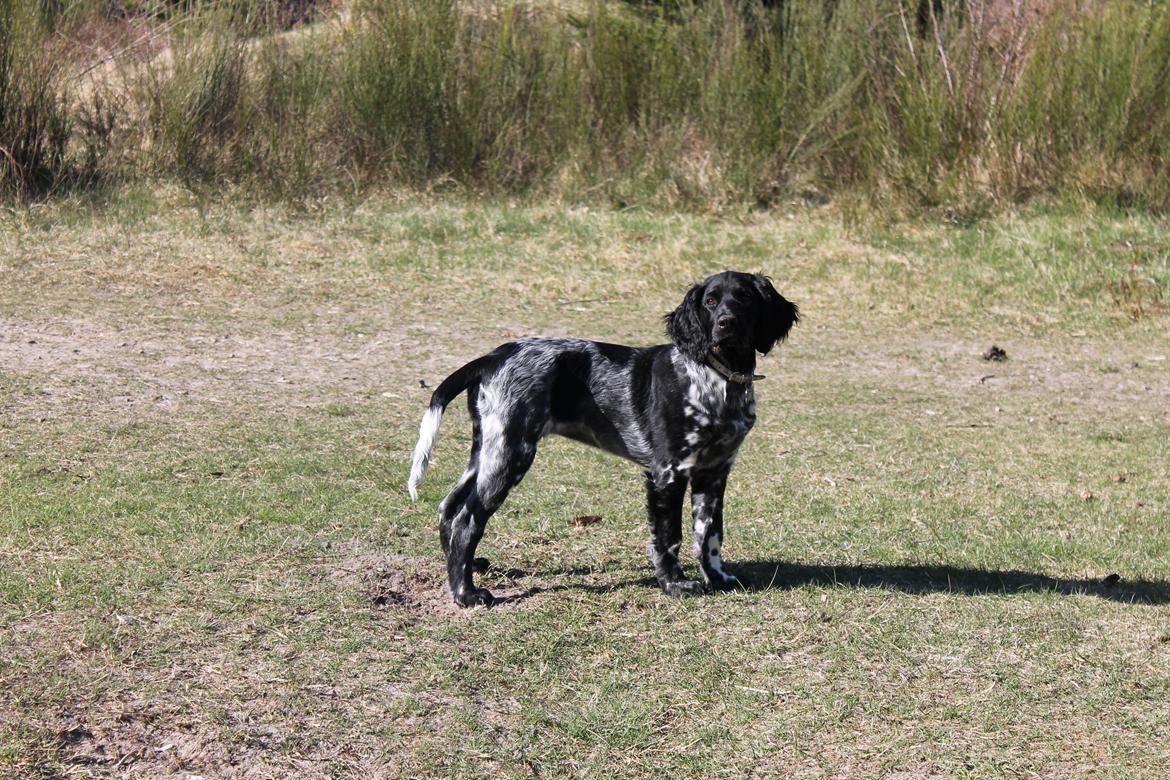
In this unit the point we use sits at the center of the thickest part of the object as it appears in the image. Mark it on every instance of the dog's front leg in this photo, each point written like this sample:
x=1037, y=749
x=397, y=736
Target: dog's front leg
x=664, y=499
x=707, y=505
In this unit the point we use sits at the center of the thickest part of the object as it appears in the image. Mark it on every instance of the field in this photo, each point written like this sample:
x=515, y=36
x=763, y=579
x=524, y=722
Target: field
x=209, y=565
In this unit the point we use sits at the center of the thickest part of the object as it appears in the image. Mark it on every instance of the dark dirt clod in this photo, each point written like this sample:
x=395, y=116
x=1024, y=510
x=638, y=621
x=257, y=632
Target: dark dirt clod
x=1111, y=581
x=72, y=736
x=387, y=597
x=995, y=353
x=584, y=520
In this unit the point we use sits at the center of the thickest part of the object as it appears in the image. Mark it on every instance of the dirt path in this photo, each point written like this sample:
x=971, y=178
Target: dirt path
x=137, y=371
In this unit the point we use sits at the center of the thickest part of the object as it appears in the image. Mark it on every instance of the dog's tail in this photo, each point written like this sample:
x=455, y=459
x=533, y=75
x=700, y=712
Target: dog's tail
x=428, y=431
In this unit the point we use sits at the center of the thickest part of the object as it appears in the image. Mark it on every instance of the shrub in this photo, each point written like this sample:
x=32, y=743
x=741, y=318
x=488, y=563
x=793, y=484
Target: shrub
x=34, y=119
x=907, y=103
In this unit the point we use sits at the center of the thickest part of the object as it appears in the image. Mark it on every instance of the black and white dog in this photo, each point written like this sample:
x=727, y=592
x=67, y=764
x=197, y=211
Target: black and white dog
x=680, y=411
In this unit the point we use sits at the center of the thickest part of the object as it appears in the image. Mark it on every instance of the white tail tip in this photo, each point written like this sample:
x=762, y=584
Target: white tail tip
x=428, y=434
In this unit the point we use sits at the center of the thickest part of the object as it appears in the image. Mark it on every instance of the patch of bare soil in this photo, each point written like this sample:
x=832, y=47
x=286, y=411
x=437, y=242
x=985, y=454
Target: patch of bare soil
x=218, y=709
x=416, y=586
x=137, y=371
x=141, y=739
x=1090, y=374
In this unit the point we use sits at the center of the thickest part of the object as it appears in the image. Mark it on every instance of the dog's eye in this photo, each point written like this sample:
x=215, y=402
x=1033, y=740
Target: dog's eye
x=710, y=300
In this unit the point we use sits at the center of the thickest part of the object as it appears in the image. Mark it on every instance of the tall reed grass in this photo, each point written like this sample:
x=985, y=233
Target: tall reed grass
x=34, y=121
x=700, y=105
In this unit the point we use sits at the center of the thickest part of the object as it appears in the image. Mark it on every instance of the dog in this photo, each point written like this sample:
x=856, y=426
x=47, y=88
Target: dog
x=679, y=410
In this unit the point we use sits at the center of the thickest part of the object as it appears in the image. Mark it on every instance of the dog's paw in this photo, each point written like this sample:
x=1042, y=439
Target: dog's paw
x=728, y=582
x=680, y=588
x=476, y=597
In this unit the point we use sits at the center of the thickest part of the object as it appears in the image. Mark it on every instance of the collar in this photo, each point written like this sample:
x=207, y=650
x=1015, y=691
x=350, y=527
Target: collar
x=734, y=376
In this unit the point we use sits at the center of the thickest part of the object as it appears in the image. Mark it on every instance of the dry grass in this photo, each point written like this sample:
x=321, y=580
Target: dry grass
x=704, y=106
x=209, y=564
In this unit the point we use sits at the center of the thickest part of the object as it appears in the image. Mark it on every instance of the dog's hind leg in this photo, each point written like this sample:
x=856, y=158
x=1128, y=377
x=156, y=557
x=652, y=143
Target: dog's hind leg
x=503, y=460
x=664, y=500
x=453, y=503
x=455, y=500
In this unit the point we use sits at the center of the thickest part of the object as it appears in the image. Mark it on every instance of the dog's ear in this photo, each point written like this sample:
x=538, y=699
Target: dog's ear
x=776, y=317
x=685, y=326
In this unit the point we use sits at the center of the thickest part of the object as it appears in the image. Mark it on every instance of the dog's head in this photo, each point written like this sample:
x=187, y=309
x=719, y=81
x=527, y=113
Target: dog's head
x=731, y=314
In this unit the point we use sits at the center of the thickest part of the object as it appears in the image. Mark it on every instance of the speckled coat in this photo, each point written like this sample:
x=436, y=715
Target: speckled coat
x=680, y=411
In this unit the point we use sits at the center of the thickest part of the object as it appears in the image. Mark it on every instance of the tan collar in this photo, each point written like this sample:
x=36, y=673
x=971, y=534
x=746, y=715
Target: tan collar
x=734, y=376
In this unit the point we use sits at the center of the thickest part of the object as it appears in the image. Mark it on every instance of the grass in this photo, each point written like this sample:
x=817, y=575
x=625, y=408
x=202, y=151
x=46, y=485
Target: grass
x=34, y=122
x=209, y=563
x=704, y=106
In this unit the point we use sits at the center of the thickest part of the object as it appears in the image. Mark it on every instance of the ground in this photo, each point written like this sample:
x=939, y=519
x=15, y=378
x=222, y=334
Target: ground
x=210, y=566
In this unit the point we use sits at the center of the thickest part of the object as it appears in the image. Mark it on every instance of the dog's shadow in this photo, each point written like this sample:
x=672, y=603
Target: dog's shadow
x=922, y=579
x=756, y=576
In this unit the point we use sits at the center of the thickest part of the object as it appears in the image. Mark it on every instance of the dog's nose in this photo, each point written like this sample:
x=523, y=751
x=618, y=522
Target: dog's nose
x=725, y=322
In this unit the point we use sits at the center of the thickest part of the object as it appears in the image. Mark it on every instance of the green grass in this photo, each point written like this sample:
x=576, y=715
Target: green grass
x=209, y=563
